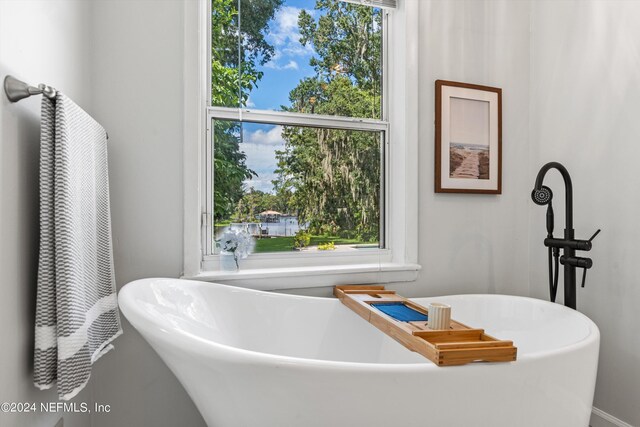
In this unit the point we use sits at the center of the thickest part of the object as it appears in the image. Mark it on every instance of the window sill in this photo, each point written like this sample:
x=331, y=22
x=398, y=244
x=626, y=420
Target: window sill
x=270, y=279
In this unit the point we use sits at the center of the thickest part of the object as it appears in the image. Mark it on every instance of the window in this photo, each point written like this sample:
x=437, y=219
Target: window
x=299, y=147
x=298, y=180
x=297, y=127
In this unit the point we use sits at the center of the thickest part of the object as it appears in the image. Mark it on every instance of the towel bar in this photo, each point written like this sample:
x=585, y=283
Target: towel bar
x=17, y=90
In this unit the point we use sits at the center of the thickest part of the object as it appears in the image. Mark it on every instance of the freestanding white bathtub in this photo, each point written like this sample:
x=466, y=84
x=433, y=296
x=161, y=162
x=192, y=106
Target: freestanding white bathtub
x=251, y=358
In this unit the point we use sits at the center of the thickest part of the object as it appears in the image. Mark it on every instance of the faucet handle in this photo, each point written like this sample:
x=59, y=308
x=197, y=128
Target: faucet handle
x=585, y=245
x=594, y=235
x=585, y=268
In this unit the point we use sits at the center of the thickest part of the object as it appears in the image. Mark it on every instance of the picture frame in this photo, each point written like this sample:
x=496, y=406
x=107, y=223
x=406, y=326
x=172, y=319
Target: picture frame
x=468, y=138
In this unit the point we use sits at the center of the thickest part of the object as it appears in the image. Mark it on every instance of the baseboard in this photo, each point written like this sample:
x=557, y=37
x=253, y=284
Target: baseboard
x=599, y=418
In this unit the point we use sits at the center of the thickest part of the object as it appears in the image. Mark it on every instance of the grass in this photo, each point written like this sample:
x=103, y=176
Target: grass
x=285, y=244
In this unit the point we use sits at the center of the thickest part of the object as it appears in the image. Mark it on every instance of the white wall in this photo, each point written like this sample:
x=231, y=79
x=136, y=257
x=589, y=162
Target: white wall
x=475, y=243
x=585, y=110
x=138, y=87
x=41, y=41
x=129, y=76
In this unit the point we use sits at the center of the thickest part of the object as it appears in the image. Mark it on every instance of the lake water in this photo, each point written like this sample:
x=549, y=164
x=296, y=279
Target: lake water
x=470, y=147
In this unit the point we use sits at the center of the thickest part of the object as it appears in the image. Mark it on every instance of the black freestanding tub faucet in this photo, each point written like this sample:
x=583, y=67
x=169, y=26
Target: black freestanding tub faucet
x=542, y=195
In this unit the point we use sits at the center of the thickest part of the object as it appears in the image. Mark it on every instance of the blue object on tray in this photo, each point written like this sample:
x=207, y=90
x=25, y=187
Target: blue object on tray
x=399, y=311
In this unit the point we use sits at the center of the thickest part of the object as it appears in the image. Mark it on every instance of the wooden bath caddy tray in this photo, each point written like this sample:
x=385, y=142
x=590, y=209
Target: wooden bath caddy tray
x=459, y=345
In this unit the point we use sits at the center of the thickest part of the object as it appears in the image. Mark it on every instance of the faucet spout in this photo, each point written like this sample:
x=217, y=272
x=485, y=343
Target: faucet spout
x=568, y=189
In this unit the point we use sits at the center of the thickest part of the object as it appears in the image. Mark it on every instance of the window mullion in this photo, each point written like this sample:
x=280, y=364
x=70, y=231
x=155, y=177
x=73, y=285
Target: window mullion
x=296, y=119
x=389, y=4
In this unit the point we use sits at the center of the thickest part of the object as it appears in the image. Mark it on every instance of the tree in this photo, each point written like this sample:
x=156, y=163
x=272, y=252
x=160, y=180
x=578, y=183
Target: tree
x=255, y=201
x=235, y=55
x=238, y=46
x=330, y=178
x=347, y=40
x=333, y=176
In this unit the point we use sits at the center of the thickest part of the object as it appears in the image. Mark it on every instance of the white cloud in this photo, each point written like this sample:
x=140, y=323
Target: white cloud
x=291, y=65
x=262, y=182
x=259, y=137
x=298, y=50
x=285, y=37
x=262, y=160
x=286, y=25
x=250, y=103
x=260, y=147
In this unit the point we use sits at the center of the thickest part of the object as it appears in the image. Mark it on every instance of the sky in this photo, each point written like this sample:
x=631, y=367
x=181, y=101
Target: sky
x=288, y=66
x=469, y=120
x=291, y=60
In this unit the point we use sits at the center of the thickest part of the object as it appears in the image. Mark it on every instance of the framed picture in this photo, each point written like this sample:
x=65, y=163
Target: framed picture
x=468, y=138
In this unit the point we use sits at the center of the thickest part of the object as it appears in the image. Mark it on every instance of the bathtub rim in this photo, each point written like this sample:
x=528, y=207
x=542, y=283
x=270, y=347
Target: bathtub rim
x=171, y=336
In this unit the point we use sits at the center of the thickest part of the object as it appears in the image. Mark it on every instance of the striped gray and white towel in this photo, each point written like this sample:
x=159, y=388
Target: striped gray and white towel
x=76, y=309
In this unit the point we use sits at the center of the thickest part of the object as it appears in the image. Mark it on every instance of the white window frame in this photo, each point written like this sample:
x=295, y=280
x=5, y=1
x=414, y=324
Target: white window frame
x=211, y=261
x=397, y=261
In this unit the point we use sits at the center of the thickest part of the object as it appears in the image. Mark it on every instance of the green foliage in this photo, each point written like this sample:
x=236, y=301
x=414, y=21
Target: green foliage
x=335, y=180
x=254, y=201
x=231, y=84
x=333, y=176
x=347, y=40
x=236, y=54
x=329, y=178
x=285, y=244
x=330, y=246
x=229, y=169
x=301, y=239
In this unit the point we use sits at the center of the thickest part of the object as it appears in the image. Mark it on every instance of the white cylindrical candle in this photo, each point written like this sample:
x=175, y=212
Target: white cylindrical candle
x=439, y=316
